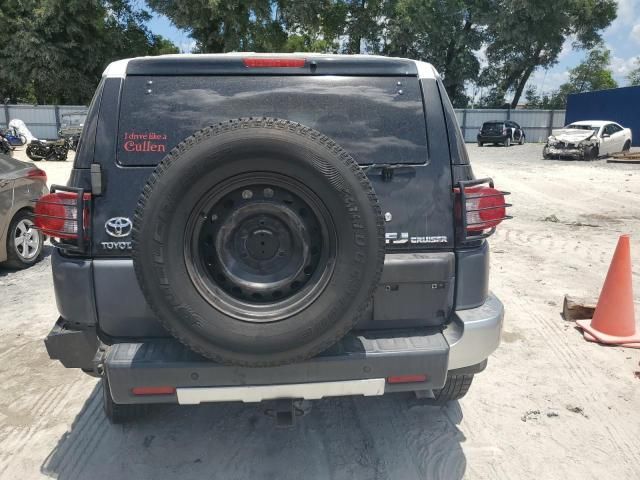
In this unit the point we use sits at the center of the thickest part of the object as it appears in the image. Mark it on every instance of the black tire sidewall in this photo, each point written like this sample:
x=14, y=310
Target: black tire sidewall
x=197, y=168
x=13, y=259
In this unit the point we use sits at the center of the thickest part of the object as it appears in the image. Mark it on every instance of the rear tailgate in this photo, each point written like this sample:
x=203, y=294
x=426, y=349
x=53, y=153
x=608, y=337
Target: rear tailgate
x=391, y=124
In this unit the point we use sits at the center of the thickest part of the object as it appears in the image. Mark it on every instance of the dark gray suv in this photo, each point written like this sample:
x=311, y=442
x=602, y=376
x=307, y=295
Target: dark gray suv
x=249, y=227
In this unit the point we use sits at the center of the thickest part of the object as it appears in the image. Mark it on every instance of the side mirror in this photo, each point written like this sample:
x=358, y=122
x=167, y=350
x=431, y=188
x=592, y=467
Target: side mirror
x=605, y=135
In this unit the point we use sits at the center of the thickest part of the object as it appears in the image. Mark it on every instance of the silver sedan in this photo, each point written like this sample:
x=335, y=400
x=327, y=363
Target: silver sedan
x=20, y=184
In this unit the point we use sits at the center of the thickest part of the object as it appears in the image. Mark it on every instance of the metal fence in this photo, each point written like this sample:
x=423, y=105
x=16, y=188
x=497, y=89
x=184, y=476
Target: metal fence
x=537, y=124
x=43, y=121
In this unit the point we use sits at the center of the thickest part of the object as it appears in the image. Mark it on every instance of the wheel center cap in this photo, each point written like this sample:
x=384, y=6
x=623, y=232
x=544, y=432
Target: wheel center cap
x=262, y=244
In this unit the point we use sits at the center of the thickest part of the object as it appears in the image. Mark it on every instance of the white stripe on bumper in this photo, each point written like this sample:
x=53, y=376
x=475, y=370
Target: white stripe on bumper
x=257, y=393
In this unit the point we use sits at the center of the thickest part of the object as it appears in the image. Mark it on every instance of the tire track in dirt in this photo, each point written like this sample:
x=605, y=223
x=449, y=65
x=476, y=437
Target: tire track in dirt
x=511, y=235
x=430, y=441
x=18, y=440
x=77, y=441
x=574, y=360
x=569, y=201
x=356, y=454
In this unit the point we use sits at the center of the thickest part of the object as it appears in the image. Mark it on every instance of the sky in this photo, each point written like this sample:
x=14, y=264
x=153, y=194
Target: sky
x=622, y=38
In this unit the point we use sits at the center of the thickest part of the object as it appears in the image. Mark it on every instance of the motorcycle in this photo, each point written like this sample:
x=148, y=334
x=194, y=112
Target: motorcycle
x=5, y=146
x=14, y=138
x=72, y=139
x=42, y=150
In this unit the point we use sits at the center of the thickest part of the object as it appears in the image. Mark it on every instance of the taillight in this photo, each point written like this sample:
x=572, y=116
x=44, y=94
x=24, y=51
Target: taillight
x=56, y=214
x=485, y=208
x=407, y=379
x=35, y=172
x=273, y=62
x=480, y=208
x=153, y=390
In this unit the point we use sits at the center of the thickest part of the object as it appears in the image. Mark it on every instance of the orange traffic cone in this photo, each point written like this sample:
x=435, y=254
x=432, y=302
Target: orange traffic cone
x=613, y=321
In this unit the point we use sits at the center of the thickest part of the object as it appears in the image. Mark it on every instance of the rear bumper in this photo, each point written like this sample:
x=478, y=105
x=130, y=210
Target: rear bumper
x=492, y=138
x=363, y=356
x=359, y=364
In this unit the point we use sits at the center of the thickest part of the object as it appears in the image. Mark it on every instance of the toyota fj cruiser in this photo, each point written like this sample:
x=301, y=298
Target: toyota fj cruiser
x=248, y=227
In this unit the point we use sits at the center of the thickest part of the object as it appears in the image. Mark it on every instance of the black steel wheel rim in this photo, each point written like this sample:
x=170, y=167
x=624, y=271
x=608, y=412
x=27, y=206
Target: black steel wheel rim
x=261, y=247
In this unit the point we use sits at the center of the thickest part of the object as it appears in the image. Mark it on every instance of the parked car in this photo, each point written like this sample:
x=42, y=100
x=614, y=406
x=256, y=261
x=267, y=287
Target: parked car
x=282, y=233
x=587, y=140
x=20, y=184
x=498, y=131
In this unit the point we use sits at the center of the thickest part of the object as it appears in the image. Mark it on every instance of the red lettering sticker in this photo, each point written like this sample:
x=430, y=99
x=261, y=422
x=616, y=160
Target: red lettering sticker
x=145, y=142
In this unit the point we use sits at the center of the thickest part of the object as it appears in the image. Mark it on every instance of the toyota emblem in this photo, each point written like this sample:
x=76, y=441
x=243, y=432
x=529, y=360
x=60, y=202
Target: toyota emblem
x=118, y=226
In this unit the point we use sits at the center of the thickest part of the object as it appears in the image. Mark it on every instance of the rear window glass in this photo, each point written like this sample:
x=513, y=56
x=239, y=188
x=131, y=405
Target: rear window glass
x=493, y=125
x=376, y=119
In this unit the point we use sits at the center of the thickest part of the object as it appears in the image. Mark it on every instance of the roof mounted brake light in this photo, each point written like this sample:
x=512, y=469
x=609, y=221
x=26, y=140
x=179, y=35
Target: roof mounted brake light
x=273, y=62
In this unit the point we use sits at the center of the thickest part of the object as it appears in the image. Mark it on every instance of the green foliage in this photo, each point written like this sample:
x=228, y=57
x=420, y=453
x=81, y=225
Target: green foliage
x=594, y=73
x=446, y=33
x=54, y=51
x=529, y=34
x=227, y=25
x=519, y=35
x=634, y=75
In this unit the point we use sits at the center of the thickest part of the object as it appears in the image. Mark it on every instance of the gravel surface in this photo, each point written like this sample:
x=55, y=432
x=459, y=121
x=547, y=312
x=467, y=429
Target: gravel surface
x=549, y=404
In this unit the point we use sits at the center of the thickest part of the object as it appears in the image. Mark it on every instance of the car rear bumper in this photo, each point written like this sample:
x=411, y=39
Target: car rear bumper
x=360, y=364
x=492, y=138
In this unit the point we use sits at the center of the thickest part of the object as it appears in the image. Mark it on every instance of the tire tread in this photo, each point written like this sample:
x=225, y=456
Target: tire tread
x=455, y=388
x=274, y=123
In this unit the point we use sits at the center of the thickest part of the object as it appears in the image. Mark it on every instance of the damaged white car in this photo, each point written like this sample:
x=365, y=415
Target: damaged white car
x=587, y=140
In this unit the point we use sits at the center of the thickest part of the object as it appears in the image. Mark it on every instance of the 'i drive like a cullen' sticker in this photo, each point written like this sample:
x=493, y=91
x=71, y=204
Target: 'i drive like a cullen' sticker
x=145, y=142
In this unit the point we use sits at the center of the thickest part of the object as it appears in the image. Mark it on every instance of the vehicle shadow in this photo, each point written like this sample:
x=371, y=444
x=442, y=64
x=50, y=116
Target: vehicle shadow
x=390, y=437
x=46, y=252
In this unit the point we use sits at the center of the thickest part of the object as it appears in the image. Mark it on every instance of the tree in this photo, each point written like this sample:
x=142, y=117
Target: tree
x=529, y=34
x=594, y=73
x=54, y=51
x=277, y=25
x=634, y=75
x=227, y=25
x=446, y=33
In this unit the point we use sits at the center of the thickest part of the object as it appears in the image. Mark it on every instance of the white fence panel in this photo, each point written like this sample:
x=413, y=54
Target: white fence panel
x=537, y=124
x=43, y=121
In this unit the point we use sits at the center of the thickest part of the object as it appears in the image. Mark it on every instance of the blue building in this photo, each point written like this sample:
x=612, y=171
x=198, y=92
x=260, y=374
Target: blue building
x=621, y=105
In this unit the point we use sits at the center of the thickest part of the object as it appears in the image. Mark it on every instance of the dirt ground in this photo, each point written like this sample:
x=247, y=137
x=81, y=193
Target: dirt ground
x=549, y=405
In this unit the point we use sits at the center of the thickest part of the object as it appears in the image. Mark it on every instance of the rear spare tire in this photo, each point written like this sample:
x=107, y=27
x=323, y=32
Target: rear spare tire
x=258, y=242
